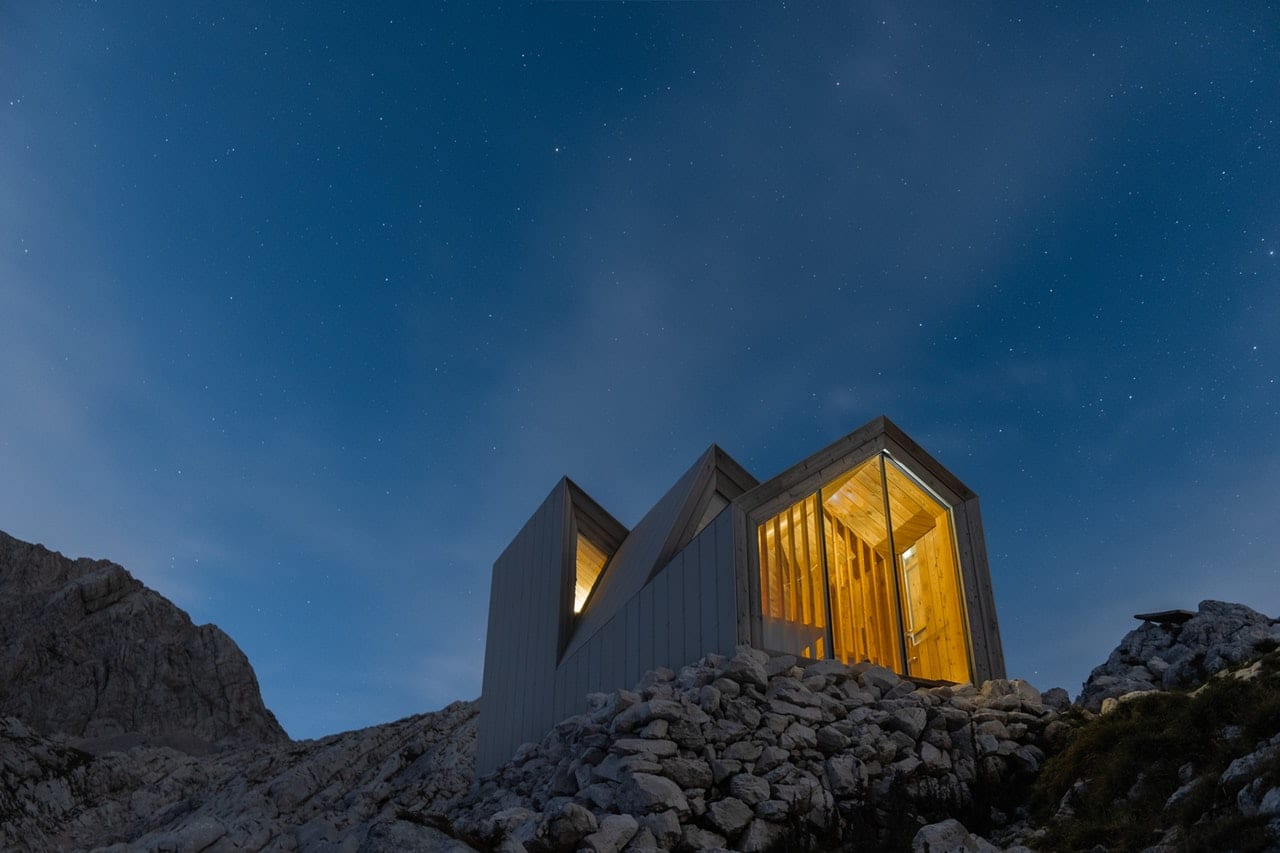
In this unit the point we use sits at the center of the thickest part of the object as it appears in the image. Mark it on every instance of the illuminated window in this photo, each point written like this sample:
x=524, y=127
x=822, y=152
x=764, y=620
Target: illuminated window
x=792, y=591
x=590, y=562
x=866, y=567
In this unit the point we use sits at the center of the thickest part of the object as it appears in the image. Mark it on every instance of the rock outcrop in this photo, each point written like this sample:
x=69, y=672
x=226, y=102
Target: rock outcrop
x=351, y=791
x=88, y=651
x=123, y=727
x=1173, y=656
x=763, y=752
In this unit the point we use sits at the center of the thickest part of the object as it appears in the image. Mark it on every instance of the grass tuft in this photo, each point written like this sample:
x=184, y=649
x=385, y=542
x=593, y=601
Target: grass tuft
x=1129, y=761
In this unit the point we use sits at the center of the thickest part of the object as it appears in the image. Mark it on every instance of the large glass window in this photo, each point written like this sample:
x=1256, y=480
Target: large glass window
x=792, y=591
x=860, y=565
x=865, y=569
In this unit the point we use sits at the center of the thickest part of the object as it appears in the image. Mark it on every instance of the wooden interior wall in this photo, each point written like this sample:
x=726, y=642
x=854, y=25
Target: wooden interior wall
x=793, y=596
x=864, y=617
x=686, y=611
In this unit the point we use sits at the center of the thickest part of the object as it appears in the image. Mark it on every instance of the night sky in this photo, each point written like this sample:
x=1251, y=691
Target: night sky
x=304, y=308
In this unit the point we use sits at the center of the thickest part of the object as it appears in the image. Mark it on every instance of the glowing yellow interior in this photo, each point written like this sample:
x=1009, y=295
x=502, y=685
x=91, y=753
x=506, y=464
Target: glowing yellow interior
x=880, y=547
x=590, y=563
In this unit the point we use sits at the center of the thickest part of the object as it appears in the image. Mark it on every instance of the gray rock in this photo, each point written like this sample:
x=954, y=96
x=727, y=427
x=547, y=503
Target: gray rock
x=644, y=841
x=643, y=746
x=746, y=668
x=665, y=827
x=799, y=712
x=709, y=698
x=773, y=810
x=614, y=833
x=655, y=730
x=729, y=816
x=1057, y=699
x=644, y=793
x=569, y=825
x=779, y=664
x=771, y=757
x=749, y=789
x=798, y=737
x=846, y=774
x=1166, y=657
x=935, y=761
x=949, y=836
x=722, y=769
x=878, y=678
x=828, y=668
x=743, y=750
x=910, y=721
x=1248, y=766
x=688, y=772
x=831, y=739
x=697, y=838
x=761, y=835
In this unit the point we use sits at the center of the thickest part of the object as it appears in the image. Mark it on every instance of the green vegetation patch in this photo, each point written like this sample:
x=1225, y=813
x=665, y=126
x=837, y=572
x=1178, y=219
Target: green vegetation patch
x=1122, y=769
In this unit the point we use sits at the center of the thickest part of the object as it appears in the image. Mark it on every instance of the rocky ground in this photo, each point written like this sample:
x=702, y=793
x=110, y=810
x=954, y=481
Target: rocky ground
x=763, y=752
x=118, y=731
x=344, y=792
x=1177, y=656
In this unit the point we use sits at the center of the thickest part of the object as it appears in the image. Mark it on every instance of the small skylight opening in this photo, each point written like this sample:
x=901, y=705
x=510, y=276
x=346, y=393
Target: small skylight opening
x=590, y=563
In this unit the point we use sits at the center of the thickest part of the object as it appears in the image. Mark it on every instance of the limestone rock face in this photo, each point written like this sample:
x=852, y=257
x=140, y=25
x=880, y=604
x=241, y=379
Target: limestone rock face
x=1166, y=657
x=345, y=792
x=88, y=651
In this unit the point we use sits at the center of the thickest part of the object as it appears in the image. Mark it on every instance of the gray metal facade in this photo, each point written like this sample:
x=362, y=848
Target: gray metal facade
x=680, y=585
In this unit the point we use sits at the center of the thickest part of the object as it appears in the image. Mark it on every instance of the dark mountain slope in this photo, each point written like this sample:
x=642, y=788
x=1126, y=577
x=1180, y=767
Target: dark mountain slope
x=88, y=651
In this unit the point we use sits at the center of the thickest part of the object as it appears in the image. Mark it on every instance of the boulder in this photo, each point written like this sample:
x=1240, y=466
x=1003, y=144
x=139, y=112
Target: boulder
x=614, y=833
x=949, y=836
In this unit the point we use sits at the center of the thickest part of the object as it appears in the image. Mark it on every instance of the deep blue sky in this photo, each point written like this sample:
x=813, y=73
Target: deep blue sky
x=304, y=309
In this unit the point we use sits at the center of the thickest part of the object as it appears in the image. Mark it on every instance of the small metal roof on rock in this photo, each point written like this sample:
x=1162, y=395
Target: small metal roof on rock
x=1165, y=617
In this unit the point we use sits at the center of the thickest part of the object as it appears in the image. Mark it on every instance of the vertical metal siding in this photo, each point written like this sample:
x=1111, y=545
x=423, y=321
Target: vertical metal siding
x=675, y=614
x=708, y=600
x=726, y=585
x=661, y=608
x=647, y=633
x=524, y=612
x=632, y=670
x=692, y=620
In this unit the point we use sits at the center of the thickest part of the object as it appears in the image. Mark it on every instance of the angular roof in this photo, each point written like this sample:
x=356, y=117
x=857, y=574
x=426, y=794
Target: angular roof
x=666, y=528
